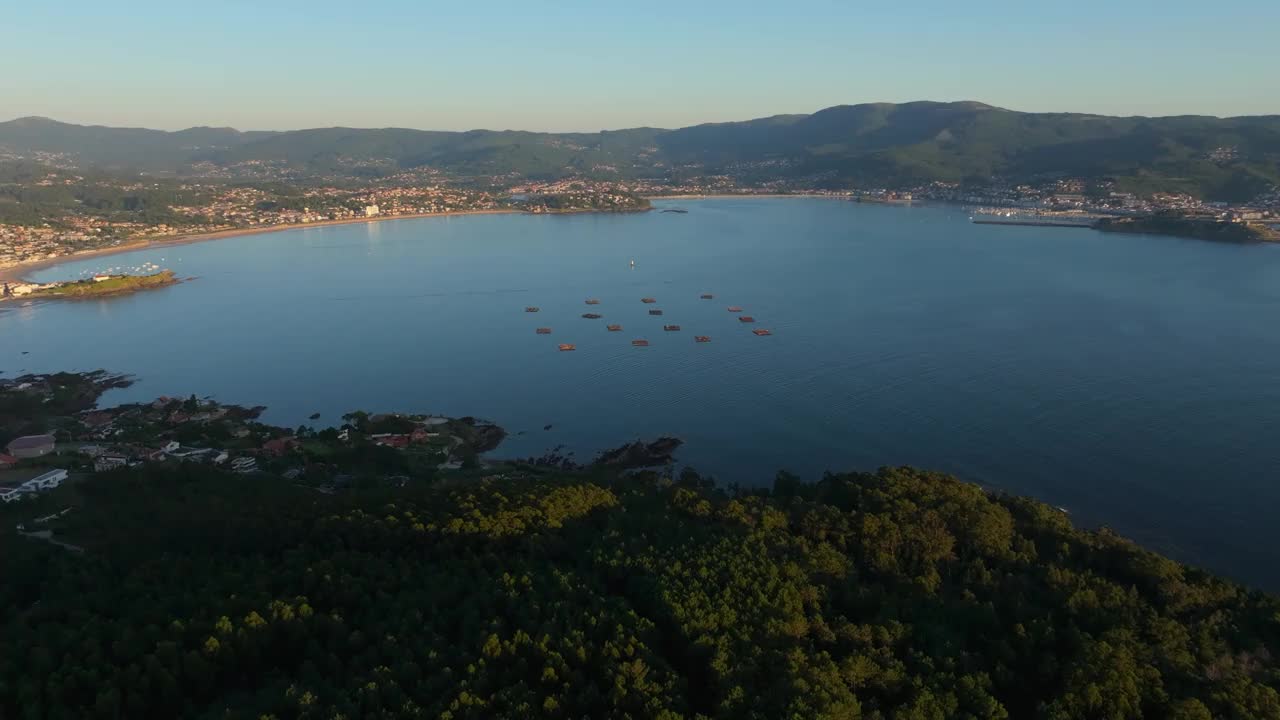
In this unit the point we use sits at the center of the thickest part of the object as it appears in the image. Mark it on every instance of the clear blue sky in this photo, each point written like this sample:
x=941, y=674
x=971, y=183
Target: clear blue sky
x=573, y=65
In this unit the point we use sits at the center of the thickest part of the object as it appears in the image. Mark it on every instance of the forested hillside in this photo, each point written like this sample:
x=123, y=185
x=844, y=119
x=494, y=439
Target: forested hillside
x=878, y=144
x=900, y=594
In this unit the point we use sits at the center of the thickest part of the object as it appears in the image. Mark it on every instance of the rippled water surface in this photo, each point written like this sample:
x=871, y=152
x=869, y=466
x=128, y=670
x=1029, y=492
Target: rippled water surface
x=1134, y=380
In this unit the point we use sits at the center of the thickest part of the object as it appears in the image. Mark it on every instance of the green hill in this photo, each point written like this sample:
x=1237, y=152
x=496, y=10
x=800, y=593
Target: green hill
x=876, y=144
x=899, y=594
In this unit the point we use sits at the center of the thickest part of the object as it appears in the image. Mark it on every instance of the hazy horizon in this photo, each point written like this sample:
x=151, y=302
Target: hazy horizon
x=580, y=67
x=513, y=128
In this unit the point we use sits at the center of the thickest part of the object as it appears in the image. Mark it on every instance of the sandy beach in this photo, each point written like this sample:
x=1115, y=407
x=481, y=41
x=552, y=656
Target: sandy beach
x=18, y=273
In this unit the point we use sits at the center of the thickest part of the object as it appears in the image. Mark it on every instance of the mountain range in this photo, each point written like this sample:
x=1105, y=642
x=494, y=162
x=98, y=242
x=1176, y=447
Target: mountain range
x=876, y=144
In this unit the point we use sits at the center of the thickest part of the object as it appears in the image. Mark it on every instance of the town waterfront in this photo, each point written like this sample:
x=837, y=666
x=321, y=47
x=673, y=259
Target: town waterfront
x=1130, y=379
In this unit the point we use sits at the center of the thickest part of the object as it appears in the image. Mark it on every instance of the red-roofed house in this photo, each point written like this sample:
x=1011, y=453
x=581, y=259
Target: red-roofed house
x=395, y=441
x=279, y=446
x=7, y=461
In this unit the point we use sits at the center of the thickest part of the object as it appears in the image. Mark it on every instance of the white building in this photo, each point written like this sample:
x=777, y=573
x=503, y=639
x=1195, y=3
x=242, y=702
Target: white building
x=188, y=453
x=11, y=490
x=104, y=462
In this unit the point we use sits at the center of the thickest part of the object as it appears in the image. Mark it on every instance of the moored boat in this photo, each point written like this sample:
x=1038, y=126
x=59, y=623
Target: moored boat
x=566, y=347
x=544, y=331
x=735, y=308
x=671, y=328
x=614, y=328
x=593, y=301
x=531, y=309
x=655, y=312
x=761, y=332
x=640, y=343
x=707, y=296
x=702, y=338
x=746, y=319
x=648, y=301
x=592, y=316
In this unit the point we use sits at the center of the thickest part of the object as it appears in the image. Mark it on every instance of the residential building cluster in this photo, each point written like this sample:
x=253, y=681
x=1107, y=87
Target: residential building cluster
x=191, y=430
x=1101, y=198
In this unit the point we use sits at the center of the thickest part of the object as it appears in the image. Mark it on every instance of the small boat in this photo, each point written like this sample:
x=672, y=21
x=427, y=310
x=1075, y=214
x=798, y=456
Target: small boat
x=640, y=343
x=735, y=308
x=746, y=318
x=543, y=331
x=531, y=309
x=702, y=338
x=592, y=316
x=671, y=328
x=655, y=312
x=648, y=301
x=593, y=301
x=707, y=296
x=614, y=328
x=566, y=347
x=761, y=332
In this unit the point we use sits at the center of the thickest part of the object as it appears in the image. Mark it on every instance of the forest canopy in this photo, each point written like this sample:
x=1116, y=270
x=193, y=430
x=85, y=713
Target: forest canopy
x=896, y=594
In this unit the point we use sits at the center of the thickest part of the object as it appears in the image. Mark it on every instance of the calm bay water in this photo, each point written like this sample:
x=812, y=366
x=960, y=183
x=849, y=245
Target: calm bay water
x=1133, y=380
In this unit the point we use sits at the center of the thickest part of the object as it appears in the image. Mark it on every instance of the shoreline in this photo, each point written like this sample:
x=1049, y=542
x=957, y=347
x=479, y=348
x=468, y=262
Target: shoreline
x=726, y=196
x=19, y=272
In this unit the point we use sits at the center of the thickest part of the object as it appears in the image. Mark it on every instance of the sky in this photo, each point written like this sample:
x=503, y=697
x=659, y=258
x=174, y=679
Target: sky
x=571, y=65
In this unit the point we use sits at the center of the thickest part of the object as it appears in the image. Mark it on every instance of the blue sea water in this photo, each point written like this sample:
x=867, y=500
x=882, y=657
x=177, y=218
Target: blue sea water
x=1134, y=380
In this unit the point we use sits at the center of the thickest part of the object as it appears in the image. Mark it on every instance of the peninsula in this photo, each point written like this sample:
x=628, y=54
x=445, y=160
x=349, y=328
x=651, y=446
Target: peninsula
x=351, y=572
x=1190, y=226
x=98, y=286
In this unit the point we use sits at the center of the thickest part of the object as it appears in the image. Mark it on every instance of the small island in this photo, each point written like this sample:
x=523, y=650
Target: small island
x=95, y=287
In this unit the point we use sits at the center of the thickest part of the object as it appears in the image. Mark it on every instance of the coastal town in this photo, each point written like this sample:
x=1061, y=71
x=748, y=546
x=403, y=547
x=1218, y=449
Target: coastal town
x=59, y=450
x=52, y=430
x=202, y=208
x=51, y=209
